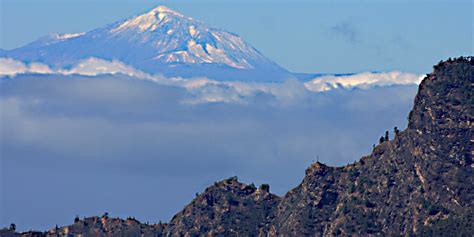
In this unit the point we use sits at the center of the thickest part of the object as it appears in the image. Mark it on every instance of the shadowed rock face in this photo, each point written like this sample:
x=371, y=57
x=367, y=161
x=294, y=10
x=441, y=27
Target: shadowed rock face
x=420, y=179
x=418, y=183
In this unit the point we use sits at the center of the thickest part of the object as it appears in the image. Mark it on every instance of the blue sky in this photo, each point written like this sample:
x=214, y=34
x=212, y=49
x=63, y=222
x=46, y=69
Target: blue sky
x=303, y=36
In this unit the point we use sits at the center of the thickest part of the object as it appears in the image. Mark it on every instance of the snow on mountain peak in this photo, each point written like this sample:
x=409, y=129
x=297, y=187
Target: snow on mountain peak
x=180, y=39
x=152, y=20
x=164, y=9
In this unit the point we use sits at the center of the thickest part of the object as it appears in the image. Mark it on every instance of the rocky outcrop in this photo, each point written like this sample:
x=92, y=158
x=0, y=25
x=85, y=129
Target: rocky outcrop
x=227, y=208
x=408, y=185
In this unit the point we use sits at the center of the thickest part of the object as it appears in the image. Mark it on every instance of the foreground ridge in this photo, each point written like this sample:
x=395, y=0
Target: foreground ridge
x=418, y=183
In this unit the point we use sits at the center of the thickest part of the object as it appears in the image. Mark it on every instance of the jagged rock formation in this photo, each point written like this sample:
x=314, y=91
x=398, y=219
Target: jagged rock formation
x=225, y=209
x=407, y=185
x=419, y=183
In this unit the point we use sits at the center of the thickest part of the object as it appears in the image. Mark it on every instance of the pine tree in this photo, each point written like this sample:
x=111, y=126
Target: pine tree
x=265, y=187
x=396, y=131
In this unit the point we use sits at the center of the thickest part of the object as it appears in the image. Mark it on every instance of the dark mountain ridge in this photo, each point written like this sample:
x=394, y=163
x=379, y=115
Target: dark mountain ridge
x=420, y=183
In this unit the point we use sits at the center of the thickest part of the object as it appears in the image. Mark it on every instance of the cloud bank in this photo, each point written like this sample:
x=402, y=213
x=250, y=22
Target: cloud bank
x=11, y=67
x=364, y=80
x=89, y=144
x=205, y=90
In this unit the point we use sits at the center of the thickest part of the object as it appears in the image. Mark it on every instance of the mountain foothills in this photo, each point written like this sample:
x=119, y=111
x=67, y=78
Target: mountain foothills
x=161, y=41
x=418, y=183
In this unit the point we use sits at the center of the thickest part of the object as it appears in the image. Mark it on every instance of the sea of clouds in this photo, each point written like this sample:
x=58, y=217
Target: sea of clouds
x=208, y=90
x=102, y=136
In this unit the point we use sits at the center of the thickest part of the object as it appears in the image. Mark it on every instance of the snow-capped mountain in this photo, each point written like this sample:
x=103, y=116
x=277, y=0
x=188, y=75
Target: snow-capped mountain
x=159, y=41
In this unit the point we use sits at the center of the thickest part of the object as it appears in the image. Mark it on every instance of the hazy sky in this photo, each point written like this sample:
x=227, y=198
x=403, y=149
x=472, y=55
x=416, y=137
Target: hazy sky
x=303, y=36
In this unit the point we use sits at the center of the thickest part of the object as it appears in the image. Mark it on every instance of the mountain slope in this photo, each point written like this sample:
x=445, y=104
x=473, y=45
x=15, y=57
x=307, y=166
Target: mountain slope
x=226, y=209
x=419, y=183
x=422, y=177
x=159, y=41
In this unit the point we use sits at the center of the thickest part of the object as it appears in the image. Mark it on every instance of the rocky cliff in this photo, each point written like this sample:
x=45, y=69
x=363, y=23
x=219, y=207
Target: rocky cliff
x=418, y=183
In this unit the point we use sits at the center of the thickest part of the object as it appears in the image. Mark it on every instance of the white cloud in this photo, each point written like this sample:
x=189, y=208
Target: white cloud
x=39, y=68
x=363, y=81
x=97, y=66
x=87, y=67
x=205, y=90
x=11, y=67
x=202, y=90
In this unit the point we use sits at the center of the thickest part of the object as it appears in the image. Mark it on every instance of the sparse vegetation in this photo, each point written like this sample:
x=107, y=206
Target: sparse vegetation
x=265, y=187
x=396, y=131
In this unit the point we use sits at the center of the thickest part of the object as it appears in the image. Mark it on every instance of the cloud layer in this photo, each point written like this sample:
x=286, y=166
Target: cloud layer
x=204, y=90
x=11, y=67
x=88, y=144
x=103, y=136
